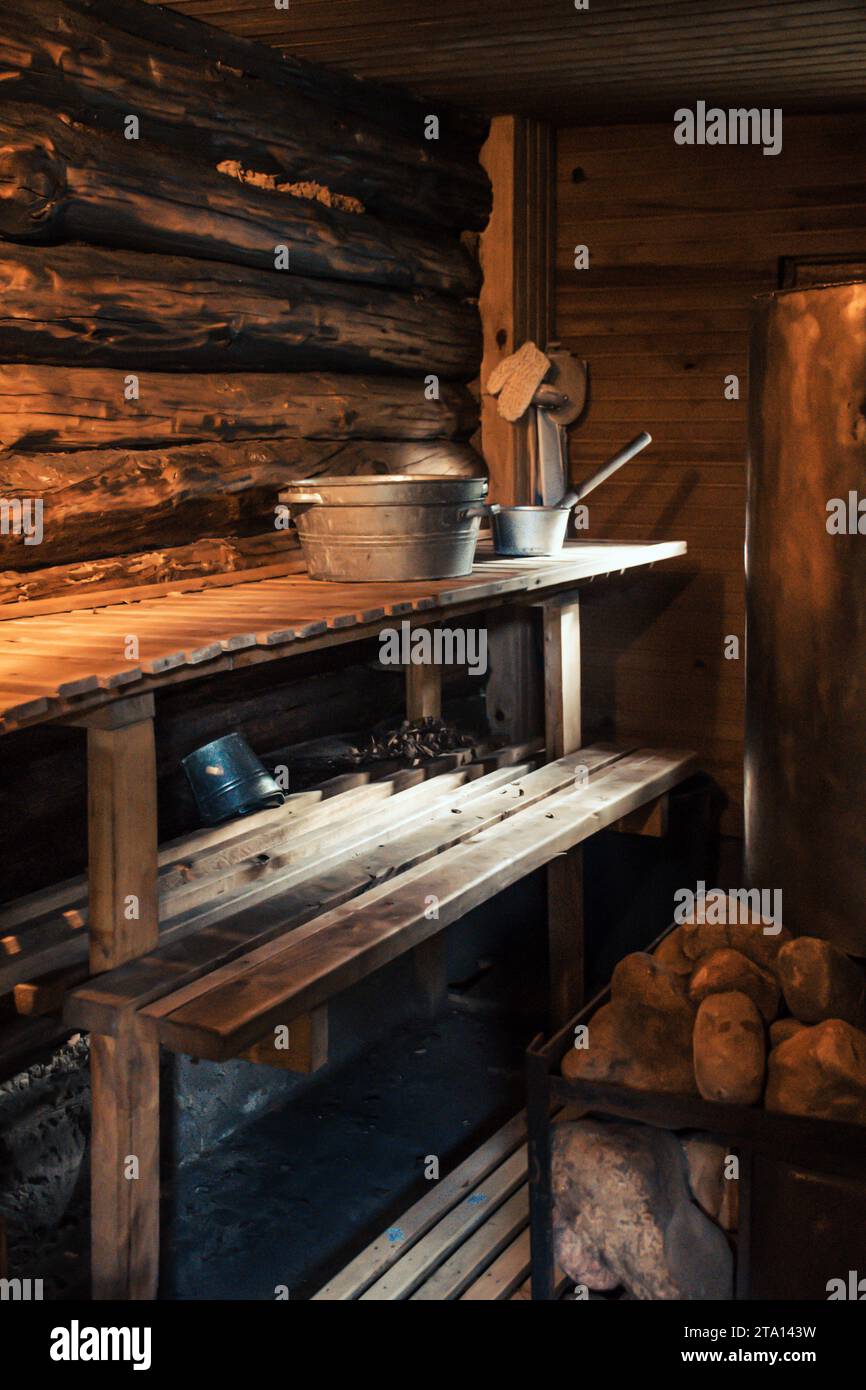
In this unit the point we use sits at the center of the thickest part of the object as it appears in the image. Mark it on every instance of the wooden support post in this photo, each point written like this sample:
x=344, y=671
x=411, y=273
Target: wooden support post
x=423, y=700
x=517, y=257
x=423, y=692
x=430, y=963
x=123, y=918
x=562, y=719
x=561, y=619
x=652, y=819
x=307, y=1044
x=513, y=690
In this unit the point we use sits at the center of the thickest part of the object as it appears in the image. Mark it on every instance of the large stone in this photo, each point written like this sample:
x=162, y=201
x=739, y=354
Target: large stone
x=783, y=1029
x=631, y=1050
x=760, y=943
x=642, y=981
x=623, y=1215
x=735, y=922
x=820, y=982
x=643, y=1037
x=729, y=1049
x=715, y=1193
x=821, y=1072
x=726, y=970
x=670, y=952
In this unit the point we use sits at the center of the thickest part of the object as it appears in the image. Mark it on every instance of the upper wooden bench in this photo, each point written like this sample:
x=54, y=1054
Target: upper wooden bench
x=56, y=666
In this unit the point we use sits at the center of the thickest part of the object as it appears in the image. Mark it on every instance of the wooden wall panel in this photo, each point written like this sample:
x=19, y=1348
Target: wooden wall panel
x=681, y=238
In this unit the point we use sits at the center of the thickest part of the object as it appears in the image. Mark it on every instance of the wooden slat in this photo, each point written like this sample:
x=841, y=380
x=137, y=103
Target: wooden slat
x=464, y=1266
x=507, y=1272
x=474, y=1211
x=235, y=1004
x=448, y=1193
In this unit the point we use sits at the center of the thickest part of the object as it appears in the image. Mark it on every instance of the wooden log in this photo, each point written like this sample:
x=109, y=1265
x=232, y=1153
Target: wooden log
x=97, y=308
x=209, y=555
x=107, y=502
x=63, y=181
x=64, y=57
x=387, y=107
x=44, y=408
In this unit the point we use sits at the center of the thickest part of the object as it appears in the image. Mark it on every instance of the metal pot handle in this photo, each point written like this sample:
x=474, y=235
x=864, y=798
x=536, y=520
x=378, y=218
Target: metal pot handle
x=477, y=509
x=305, y=499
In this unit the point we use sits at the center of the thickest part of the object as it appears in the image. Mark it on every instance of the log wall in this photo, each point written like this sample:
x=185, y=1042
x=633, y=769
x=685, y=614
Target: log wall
x=680, y=238
x=219, y=269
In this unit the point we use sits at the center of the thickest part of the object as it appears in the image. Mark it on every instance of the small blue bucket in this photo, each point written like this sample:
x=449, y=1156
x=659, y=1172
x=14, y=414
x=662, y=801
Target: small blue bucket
x=228, y=779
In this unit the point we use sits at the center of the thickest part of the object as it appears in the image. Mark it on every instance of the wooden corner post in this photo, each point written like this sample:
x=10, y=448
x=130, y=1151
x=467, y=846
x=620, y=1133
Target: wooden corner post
x=516, y=303
x=123, y=923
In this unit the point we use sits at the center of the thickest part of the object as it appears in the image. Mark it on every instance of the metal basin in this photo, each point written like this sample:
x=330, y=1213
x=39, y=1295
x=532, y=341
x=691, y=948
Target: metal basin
x=365, y=528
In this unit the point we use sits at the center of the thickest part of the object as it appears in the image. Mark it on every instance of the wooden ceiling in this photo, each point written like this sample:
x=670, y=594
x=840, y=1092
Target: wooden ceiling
x=620, y=60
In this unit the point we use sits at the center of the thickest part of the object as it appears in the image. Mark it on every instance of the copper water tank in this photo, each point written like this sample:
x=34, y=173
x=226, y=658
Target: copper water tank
x=806, y=610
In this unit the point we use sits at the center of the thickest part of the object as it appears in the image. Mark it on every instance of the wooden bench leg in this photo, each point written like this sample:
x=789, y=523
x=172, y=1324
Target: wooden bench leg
x=124, y=923
x=562, y=731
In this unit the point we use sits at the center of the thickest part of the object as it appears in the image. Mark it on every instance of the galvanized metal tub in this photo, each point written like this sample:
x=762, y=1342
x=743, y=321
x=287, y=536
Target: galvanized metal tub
x=374, y=527
x=805, y=756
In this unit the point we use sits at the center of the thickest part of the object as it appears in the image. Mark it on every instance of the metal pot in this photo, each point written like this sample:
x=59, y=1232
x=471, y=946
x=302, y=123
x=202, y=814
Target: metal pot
x=375, y=527
x=530, y=530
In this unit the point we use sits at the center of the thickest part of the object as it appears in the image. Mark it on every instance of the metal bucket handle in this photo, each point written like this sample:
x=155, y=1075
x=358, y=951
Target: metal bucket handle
x=306, y=499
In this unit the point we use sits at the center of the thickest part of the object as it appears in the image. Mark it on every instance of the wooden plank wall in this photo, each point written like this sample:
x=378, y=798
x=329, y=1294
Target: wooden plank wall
x=220, y=269
x=680, y=239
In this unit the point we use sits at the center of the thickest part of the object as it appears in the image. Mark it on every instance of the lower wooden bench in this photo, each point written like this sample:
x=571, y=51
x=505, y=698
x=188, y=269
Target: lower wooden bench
x=236, y=977
x=423, y=881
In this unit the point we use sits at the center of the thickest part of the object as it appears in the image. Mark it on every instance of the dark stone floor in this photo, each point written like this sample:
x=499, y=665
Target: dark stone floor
x=289, y=1199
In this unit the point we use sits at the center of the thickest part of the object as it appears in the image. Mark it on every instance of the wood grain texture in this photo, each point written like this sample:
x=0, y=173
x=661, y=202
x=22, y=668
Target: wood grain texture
x=49, y=408
x=75, y=57
x=122, y=873
x=623, y=60
x=288, y=609
x=101, y=502
x=315, y=962
x=681, y=238
x=305, y=1051
x=91, y=307
x=88, y=581
x=63, y=181
x=124, y=1070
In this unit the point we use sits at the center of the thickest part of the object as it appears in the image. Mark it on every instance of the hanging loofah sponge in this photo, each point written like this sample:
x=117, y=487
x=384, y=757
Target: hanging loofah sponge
x=516, y=379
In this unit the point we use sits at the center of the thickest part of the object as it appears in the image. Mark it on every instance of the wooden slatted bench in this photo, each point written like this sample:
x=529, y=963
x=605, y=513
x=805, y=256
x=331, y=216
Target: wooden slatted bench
x=424, y=879
x=214, y=994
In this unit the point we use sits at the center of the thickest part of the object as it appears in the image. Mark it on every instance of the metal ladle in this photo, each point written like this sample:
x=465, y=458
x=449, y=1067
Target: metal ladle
x=528, y=531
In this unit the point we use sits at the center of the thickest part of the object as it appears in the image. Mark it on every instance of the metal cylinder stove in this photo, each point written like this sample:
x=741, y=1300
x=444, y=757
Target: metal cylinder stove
x=806, y=609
